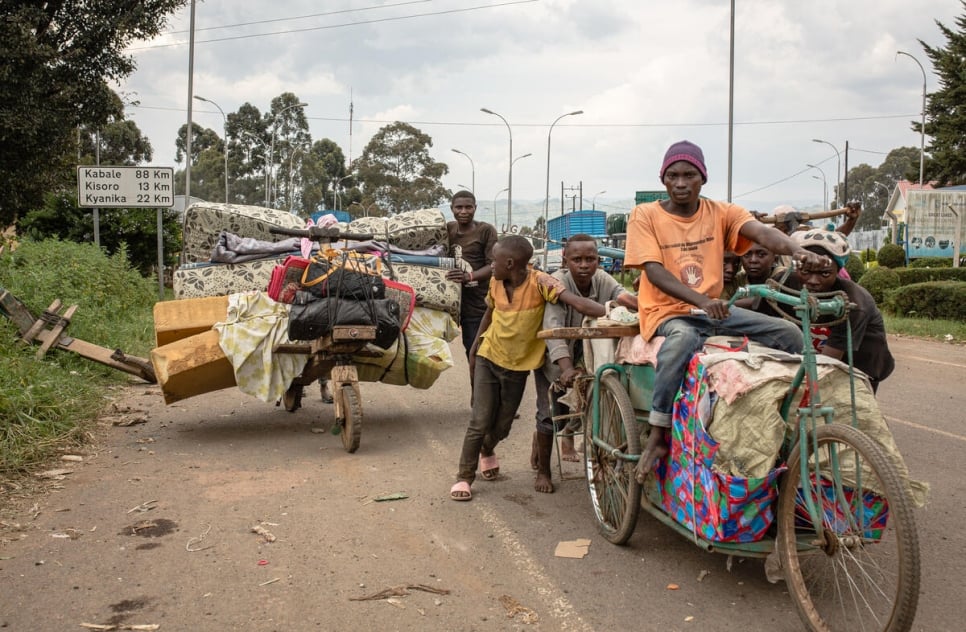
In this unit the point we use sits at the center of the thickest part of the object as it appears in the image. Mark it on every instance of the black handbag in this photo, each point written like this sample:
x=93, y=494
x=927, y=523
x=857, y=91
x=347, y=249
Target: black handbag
x=344, y=275
x=317, y=318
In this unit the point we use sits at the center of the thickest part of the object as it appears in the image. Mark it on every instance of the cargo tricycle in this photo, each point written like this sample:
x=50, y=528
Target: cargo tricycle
x=843, y=529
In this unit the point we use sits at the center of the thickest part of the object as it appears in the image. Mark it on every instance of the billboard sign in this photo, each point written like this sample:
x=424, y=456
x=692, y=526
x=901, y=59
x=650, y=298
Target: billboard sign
x=932, y=220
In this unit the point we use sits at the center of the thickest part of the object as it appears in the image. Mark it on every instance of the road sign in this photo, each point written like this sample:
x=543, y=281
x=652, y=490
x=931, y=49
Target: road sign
x=125, y=187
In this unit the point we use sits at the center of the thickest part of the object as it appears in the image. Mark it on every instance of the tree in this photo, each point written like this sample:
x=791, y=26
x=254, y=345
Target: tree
x=118, y=143
x=56, y=61
x=945, y=115
x=321, y=173
x=396, y=170
x=873, y=185
x=291, y=131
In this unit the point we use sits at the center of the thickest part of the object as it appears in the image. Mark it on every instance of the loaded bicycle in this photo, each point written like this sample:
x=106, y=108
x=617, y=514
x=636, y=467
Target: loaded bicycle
x=843, y=530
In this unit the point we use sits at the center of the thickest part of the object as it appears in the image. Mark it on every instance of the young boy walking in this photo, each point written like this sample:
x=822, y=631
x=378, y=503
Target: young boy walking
x=583, y=276
x=504, y=353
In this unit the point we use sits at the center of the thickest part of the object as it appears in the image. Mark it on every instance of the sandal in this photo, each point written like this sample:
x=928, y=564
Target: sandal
x=489, y=467
x=460, y=491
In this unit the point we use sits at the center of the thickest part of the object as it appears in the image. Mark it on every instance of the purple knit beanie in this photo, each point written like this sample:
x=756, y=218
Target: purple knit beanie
x=687, y=151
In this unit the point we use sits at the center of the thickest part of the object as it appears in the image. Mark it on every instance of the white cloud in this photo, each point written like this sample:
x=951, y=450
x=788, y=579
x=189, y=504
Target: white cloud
x=645, y=74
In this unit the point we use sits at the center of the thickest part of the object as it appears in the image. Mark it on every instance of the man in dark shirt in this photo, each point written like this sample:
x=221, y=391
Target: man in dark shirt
x=870, y=348
x=475, y=242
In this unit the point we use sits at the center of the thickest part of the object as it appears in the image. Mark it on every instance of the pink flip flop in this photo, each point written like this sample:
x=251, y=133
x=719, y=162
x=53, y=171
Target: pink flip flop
x=460, y=491
x=489, y=467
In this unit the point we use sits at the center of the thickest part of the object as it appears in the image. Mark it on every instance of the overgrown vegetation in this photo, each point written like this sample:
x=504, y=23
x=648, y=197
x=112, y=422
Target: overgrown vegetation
x=45, y=404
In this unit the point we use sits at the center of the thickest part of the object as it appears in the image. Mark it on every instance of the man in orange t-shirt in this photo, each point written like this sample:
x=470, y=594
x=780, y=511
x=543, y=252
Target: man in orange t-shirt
x=680, y=243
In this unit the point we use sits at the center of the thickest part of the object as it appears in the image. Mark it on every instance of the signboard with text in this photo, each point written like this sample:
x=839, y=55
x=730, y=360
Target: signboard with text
x=933, y=219
x=125, y=187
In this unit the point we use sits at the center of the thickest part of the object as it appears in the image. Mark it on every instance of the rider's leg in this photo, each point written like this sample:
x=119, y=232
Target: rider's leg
x=776, y=333
x=543, y=417
x=682, y=337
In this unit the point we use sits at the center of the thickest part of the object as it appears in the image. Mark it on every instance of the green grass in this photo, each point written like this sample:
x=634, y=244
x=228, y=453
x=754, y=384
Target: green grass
x=46, y=404
x=941, y=330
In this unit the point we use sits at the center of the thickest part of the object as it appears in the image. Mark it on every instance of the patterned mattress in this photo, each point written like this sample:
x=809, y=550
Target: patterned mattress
x=204, y=222
x=194, y=280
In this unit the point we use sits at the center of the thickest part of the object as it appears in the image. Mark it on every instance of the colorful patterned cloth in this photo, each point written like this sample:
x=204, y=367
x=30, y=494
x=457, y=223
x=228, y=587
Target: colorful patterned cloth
x=715, y=506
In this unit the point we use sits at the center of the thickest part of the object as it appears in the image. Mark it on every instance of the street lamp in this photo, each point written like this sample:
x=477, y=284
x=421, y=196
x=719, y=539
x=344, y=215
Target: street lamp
x=509, y=183
x=291, y=172
x=838, y=168
x=509, y=212
x=225, y=128
x=338, y=185
x=546, y=200
x=472, y=169
x=494, y=205
x=265, y=166
x=922, y=125
x=593, y=200
x=824, y=185
x=274, y=131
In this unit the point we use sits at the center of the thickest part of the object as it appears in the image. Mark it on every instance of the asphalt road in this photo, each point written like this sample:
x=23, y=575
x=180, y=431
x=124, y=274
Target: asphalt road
x=208, y=470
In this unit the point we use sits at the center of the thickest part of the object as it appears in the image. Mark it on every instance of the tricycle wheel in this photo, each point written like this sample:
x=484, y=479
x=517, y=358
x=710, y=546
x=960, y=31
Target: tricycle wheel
x=614, y=492
x=292, y=399
x=861, y=572
x=351, y=421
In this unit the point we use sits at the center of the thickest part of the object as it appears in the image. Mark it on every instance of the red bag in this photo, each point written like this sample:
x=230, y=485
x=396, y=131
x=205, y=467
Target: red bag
x=405, y=296
x=286, y=279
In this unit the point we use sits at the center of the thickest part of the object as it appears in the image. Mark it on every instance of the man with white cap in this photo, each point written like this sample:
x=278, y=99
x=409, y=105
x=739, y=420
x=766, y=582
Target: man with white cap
x=679, y=243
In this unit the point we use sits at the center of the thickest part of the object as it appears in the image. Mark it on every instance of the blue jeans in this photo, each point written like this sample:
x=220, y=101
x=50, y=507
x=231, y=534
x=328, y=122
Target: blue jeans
x=684, y=335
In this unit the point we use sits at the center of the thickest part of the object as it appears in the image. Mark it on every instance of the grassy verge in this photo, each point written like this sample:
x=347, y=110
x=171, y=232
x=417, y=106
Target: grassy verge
x=940, y=330
x=47, y=404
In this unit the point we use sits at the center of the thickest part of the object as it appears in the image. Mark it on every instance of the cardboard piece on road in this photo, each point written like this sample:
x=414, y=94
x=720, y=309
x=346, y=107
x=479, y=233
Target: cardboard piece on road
x=192, y=366
x=175, y=320
x=575, y=549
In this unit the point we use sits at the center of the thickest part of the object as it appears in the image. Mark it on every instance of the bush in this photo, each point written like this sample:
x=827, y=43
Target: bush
x=891, y=256
x=935, y=299
x=868, y=255
x=45, y=404
x=879, y=280
x=931, y=262
x=908, y=276
x=855, y=267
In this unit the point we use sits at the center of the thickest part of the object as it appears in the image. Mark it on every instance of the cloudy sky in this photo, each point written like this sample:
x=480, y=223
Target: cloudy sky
x=644, y=73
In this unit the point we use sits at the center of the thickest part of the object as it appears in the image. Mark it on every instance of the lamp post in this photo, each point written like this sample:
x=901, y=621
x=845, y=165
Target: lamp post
x=472, y=169
x=838, y=169
x=509, y=182
x=338, y=185
x=494, y=205
x=509, y=212
x=922, y=125
x=274, y=131
x=291, y=172
x=265, y=166
x=546, y=199
x=593, y=200
x=824, y=185
x=225, y=129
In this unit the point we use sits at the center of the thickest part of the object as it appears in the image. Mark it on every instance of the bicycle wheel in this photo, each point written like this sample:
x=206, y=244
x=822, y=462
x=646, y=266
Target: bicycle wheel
x=351, y=422
x=614, y=492
x=862, y=571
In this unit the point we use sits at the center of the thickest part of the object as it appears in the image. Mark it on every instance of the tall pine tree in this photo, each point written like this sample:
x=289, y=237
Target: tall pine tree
x=946, y=108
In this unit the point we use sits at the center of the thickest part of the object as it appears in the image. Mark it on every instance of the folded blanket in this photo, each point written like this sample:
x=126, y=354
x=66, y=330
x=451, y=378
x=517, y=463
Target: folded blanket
x=234, y=249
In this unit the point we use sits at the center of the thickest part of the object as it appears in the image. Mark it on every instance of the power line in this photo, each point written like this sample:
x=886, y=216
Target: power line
x=337, y=26
x=300, y=17
x=338, y=119
x=785, y=179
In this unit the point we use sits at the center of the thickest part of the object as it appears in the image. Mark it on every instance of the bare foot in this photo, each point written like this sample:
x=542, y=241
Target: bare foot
x=655, y=448
x=534, y=456
x=542, y=483
x=567, y=451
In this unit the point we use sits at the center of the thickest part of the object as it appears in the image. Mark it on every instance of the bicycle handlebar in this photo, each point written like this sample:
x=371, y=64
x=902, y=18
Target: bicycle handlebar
x=836, y=305
x=320, y=233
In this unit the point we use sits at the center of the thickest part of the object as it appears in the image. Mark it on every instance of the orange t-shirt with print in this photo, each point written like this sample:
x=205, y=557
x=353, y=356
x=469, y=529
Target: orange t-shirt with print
x=690, y=248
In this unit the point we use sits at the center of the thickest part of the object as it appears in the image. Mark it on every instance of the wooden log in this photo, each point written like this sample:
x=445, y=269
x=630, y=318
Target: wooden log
x=192, y=366
x=41, y=323
x=604, y=331
x=55, y=332
x=174, y=320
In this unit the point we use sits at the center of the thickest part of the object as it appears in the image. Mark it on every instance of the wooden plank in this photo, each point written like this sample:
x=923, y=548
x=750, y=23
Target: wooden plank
x=55, y=332
x=101, y=355
x=573, y=333
x=16, y=311
x=174, y=320
x=41, y=323
x=192, y=366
